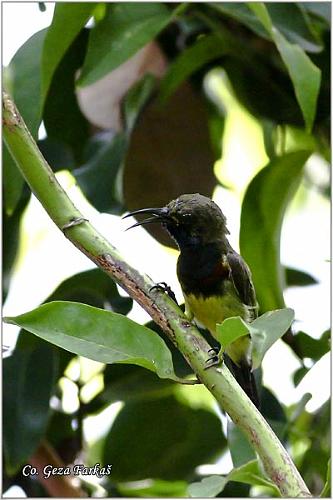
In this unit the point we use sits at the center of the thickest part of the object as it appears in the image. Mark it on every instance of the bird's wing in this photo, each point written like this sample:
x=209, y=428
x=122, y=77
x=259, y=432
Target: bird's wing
x=241, y=277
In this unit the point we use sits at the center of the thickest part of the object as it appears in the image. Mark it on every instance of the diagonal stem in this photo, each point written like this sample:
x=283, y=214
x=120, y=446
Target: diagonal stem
x=218, y=380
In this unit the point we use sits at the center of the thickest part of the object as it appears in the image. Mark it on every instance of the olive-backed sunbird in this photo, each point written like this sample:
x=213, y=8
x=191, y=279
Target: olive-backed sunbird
x=215, y=280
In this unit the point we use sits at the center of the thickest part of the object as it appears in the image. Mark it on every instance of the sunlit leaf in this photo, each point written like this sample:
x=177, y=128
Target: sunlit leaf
x=249, y=473
x=326, y=492
x=263, y=209
x=266, y=330
x=208, y=487
x=125, y=29
x=305, y=75
x=68, y=20
x=230, y=330
x=26, y=80
x=99, y=335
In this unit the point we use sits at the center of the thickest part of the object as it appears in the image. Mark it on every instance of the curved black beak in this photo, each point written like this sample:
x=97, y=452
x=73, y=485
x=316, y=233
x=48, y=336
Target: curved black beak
x=158, y=215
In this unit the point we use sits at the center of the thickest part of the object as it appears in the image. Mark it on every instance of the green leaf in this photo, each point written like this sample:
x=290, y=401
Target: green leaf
x=295, y=277
x=68, y=20
x=263, y=208
x=167, y=439
x=326, y=492
x=26, y=80
x=304, y=74
x=155, y=488
x=249, y=473
x=11, y=238
x=95, y=288
x=299, y=374
x=129, y=383
x=230, y=330
x=99, y=335
x=63, y=119
x=136, y=98
x=208, y=487
x=266, y=330
x=98, y=177
x=287, y=17
x=313, y=348
x=239, y=446
x=125, y=29
x=206, y=49
x=28, y=383
x=12, y=181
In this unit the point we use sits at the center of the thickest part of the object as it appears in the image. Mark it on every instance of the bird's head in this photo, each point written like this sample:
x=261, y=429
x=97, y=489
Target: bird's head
x=191, y=219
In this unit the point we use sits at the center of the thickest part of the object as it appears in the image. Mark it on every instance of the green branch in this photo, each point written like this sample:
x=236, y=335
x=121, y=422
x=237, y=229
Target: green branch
x=218, y=380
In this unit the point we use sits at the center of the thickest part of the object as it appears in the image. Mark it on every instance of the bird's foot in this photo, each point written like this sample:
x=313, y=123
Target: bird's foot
x=164, y=287
x=213, y=360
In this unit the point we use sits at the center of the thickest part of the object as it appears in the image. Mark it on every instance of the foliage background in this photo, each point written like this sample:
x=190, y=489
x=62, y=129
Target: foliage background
x=209, y=106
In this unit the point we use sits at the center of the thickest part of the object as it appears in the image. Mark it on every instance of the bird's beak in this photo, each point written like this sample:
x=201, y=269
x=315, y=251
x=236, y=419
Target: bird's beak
x=157, y=215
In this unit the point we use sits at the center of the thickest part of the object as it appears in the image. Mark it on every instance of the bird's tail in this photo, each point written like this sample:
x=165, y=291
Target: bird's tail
x=244, y=376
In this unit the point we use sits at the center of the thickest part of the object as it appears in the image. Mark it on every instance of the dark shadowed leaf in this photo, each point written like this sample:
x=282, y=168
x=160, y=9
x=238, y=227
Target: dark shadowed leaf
x=299, y=374
x=326, y=492
x=155, y=488
x=94, y=288
x=321, y=9
x=263, y=209
x=11, y=237
x=304, y=74
x=57, y=154
x=98, y=177
x=26, y=80
x=287, y=17
x=313, y=348
x=128, y=383
x=62, y=117
x=168, y=440
x=68, y=20
x=28, y=382
x=295, y=277
x=136, y=98
x=12, y=181
x=240, y=449
x=99, y=335
x=194, y=57
x=125, y=29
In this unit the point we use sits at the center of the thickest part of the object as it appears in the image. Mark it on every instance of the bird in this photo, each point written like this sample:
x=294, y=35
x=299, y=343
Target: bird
x=215, y=280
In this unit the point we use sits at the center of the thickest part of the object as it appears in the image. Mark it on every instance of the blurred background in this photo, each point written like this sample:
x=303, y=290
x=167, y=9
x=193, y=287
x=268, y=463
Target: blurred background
x=206, y=105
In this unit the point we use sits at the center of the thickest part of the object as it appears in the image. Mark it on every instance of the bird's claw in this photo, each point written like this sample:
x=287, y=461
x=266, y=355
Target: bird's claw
x=162, y=285
x=213, y=360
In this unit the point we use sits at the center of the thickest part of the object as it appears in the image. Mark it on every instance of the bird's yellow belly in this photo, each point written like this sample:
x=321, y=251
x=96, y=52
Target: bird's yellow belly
x=207, y=311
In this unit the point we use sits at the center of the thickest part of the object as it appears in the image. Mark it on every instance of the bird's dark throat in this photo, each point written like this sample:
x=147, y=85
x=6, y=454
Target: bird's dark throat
x=201, y=270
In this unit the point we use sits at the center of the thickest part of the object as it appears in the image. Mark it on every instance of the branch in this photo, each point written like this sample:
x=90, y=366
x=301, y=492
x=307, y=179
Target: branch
x=218, y=380
x=58, y=485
